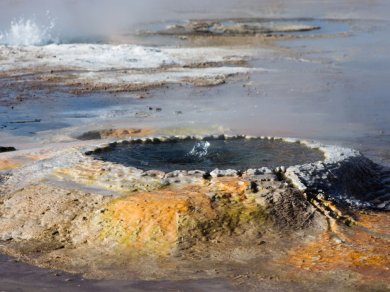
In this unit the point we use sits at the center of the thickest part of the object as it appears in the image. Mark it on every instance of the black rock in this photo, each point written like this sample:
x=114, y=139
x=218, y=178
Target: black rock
x=6, y=149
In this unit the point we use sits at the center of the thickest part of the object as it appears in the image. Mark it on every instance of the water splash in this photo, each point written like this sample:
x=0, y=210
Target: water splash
x=27, y=32
x=200, y=149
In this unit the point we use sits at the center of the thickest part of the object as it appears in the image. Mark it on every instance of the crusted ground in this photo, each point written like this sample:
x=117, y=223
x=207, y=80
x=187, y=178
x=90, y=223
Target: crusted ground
x=146, y=216
x=108, y=221
x=247, y=26
x=114, y=133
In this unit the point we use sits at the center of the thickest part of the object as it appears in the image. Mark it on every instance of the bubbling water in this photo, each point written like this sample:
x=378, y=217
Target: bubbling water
x=27, y=32
x=199, y=149
x=239, y=154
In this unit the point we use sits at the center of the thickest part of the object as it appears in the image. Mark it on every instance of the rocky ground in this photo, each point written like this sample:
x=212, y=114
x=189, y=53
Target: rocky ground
x=72, y=213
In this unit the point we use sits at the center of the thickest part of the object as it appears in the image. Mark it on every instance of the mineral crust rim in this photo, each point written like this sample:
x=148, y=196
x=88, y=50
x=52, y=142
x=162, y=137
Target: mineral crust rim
x=344, y=176
x=332, y=154
x=335, y=176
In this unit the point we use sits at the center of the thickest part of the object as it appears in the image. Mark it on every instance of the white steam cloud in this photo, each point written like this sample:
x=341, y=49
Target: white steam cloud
x=26, y=22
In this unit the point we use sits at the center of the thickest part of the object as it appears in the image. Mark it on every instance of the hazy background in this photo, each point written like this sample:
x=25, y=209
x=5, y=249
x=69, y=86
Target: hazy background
x=342, y=94
x=97, y=16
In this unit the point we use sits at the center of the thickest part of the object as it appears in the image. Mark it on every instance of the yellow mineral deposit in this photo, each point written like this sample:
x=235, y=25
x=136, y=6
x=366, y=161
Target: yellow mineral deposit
x=149, y=222
x=8, y=164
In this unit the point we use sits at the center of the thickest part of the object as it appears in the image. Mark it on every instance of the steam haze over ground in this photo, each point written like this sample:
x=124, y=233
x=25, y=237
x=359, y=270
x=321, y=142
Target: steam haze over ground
x=346, y=96
x=75, y=17
x=355, y=56
x=92, y=16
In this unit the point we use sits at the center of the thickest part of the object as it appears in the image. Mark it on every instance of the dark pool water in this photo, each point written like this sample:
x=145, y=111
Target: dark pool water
x=208, y=155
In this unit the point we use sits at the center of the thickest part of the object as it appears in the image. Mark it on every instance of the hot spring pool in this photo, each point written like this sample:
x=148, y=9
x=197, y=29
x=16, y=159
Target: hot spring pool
x=209, y=154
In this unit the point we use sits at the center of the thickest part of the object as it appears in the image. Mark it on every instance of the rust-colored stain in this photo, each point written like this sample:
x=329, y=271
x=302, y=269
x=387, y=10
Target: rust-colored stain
x=122, y=133
x=365, y=251
x=20, y=160
x=150, y=220
x=234, y=185
x=377, y=222
x=37, y=157
x=9, y=164
x=157, y=220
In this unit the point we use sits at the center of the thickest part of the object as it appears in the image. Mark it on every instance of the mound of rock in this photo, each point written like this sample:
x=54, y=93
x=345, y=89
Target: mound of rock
x=237, y=27
x=7, y=149
x=114, y=133
x=65, y=228
x=103, y=219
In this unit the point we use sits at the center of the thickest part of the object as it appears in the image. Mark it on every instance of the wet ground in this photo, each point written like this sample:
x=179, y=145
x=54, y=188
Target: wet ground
x=339, y=94
x=17, y=276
